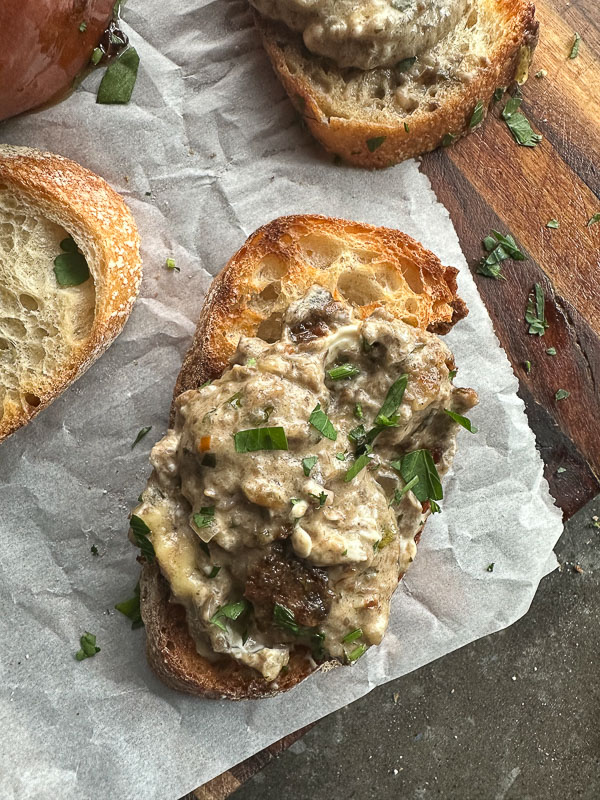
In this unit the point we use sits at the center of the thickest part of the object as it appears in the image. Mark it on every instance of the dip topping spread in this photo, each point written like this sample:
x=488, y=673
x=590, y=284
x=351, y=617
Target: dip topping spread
x=367, y=34
x=284, y=503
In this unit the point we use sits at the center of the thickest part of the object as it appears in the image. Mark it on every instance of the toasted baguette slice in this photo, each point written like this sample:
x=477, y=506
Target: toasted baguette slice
x=362, y=264
x=378, y=117
x=366, y=266
x=50, y=334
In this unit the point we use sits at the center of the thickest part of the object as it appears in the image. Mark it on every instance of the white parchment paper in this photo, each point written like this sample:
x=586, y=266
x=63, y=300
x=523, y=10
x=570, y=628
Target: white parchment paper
x=213, y=138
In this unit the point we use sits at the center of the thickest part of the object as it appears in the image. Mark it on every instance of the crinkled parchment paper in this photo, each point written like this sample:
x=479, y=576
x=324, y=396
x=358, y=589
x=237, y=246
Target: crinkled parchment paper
x=213, y=138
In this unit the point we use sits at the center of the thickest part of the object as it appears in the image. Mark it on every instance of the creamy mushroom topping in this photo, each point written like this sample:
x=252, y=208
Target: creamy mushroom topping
x=279, y=507
x=367, y=34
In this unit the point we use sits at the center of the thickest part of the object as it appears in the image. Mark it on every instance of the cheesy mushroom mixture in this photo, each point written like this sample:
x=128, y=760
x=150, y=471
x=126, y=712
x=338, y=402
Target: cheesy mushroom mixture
x=367, y=33
x=284, y=504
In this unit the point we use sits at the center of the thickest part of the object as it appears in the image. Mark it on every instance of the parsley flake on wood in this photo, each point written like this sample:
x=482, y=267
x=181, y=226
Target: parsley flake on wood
x=518, y=124
x=527, y=365
x=575, y=46
x=535, y=313
x=250, y=441
x=500, y=248
x=551, y=351
x=562, y=394
x=140, y=534
x=88, y=646
x=593, y=220
x=319, y=420
x=119, y=79
x=131, y=608
x=308, y=463
x=449, y=138
x=466, y=423
x=553, y=223
x=141, y=435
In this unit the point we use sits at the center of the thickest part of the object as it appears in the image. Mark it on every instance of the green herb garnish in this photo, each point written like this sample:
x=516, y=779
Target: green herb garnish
x=551, y=351
x=535, y=313
x=518, y=124
x=562, y=394
x=375, y=143
x=170, y=264
x=94, y=550
x=593, y=220
x=452, y=374
x=119, y=79
x=575, y=46
x=141, y=435
x=319, y=420
x=399, y=493
x=214, y=572
x=284, y=618
x=499, y=248
x=360, y=463
x=449, y=138
x=131, y=608
x=70, y=267
x=343, y=371
x=230, y=611
x=352, y=636
x=96, y=56
x=321, y=497
x=235, y=401
x=466, y=423
x=420, y=463
x=553, y=223
x=140, y=534
x=477, y=115
x=357, y=653
x=204, y=517
x=251, y=362
x=83, y=27
x=88, y=646
x=340, y=456
x=250, y=441
x=499, y=93
x=358, y=411
x=527, y=365
x=490, y=567
x=308, y=463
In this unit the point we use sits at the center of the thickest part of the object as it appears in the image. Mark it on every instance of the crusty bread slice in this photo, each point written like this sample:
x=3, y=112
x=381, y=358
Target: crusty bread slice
x=378, y=117
x=50, y=334
x=366, y=266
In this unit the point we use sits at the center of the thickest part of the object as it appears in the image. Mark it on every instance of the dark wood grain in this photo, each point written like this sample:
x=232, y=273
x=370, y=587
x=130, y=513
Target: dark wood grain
x=487, y=181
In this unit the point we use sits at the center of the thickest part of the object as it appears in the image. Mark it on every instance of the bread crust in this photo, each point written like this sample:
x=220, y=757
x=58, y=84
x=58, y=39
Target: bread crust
x=347, y=137
x=226, y=316
x=89, y=209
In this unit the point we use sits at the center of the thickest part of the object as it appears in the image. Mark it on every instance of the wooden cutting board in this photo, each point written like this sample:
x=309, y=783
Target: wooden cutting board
x=488, y=182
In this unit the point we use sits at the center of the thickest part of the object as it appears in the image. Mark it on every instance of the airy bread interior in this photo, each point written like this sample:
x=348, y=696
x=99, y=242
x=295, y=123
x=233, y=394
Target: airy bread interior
x=41, y=323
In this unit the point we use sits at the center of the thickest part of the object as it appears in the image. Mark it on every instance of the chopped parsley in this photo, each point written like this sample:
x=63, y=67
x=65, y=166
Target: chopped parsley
x=358, y=411
x=575, y=46
x=420, y=463
x=340, y=456
x=452, y=374
x=562, y=394
x=308, y=463
x=131, y=608
x=449, y=138
x=319, y=420
x=399, y=493
x=235, y=401
x=214, y=572
x=466, y=423
x=406, y=127
x=88, y=646
x=250, y=441
x=477, y=115
x=360, y=463
x=342, y=372
x=374, y=143
x=499, y=249
x=285, y=619
x=353, y=635
x=518, y=124
x=119, y=79
x=387, y=538
x=83, y=27
x=499, y=93
x=535, y=313
x=251, y=362
x=490, y=567
x=321, y=497
x=593, y=220
x=140, y=534
x=204, y=517
x=94, y=550
x=230, y=611
x=553, y=223
x=171, y=265
x=551, y=351
x=141, y=435
x=357, y=653
x=393, y=398
x=358, y=435
x=527, y=365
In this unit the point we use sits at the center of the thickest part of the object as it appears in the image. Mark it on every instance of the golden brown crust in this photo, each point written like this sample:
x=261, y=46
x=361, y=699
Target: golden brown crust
x=283, y=245
x=423, y=292
x=86, y=206
x=347, y=137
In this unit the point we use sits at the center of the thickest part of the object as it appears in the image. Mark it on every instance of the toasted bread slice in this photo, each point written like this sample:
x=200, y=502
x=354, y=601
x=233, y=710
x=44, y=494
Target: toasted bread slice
x=362, y=264
x=366, y=266
x=51, y=333
x=378, y=117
